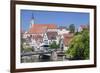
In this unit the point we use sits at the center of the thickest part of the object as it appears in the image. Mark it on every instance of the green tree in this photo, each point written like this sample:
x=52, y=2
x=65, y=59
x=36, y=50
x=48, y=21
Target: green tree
x=72, y=28
x=79, y=46
x=54, y=45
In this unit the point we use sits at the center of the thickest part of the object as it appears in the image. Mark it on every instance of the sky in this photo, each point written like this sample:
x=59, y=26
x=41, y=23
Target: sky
x=53, y=17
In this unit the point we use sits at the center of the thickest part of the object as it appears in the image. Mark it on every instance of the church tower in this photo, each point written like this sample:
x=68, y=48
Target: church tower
x=32, y=22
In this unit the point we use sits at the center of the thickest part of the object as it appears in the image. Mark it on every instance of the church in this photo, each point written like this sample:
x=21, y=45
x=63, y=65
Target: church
x=39, y=35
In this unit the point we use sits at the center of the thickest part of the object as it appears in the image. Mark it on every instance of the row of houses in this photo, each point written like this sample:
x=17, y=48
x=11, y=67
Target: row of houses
x=45, y=34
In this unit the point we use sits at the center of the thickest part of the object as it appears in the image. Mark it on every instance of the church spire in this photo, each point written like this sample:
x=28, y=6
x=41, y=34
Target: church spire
x=32, y=21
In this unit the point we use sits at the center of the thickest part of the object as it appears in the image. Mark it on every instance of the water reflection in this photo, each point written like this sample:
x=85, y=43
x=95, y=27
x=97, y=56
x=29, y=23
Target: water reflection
x=42, y=58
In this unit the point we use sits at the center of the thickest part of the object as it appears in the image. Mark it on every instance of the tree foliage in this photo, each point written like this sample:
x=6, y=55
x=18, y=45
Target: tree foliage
x=54, y=45
x=79, y=46
x=72, y=28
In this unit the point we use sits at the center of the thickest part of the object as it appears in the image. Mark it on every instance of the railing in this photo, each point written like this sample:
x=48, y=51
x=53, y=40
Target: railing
x=35, y=53
x=41, y=53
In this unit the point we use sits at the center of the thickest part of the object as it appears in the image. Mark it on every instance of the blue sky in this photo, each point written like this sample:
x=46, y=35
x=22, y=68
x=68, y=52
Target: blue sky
x=52, y=17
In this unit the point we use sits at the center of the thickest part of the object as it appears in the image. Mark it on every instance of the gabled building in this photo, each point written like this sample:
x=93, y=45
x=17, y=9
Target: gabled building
x=67, y=39
x=41, y=34
x=82, y=27
x=52, y=36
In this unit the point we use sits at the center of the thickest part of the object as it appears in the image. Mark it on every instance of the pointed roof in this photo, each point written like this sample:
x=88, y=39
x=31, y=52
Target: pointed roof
x=52, y=35
x=67, y=38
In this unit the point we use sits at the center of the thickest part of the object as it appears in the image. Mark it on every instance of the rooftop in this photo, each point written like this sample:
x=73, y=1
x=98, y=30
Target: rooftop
x=41, y=28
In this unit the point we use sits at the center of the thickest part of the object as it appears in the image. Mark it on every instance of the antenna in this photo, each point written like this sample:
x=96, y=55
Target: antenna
x=32, y=16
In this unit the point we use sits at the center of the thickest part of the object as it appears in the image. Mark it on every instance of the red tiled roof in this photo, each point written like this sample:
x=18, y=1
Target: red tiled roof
x=36, y=30
x=68, y=35
x=52, y=35
x=41, y=28
x=67, y=38
x=83, y=26
x=37, y=37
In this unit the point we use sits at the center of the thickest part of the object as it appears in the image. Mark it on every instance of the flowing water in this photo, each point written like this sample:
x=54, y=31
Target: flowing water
x=43, y=58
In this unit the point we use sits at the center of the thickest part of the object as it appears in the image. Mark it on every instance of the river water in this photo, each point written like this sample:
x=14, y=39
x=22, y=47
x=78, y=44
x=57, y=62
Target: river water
x=44, y=58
